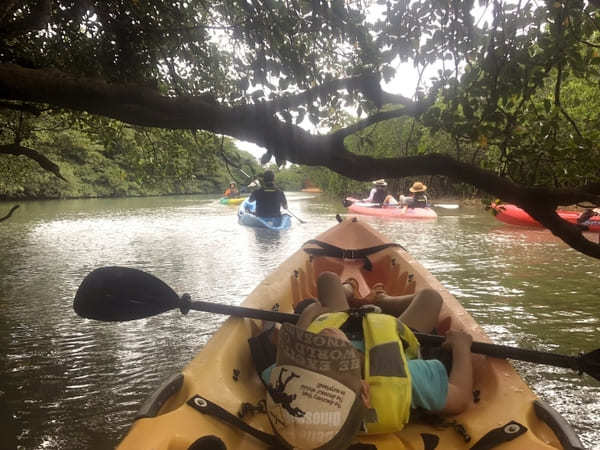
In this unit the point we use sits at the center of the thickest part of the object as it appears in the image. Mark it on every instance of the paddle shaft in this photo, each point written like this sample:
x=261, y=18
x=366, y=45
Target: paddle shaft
x=242, y=311
x=446, y=205
x=294, y=215
x=494, y=350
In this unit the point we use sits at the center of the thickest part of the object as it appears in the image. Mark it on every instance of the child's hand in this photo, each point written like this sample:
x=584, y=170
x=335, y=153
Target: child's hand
x=457, y=339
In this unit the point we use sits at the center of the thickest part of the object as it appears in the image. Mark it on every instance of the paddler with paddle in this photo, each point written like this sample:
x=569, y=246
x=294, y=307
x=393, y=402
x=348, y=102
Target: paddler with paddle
x=269, y=199
x=339, y=373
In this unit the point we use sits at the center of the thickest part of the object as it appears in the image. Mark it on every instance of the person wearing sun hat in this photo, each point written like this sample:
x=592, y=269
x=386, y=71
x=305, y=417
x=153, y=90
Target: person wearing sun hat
x=418, y=199
x=378, y=193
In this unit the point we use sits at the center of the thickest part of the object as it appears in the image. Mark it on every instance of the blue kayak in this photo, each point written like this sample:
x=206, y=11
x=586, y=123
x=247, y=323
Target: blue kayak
x=282, y=222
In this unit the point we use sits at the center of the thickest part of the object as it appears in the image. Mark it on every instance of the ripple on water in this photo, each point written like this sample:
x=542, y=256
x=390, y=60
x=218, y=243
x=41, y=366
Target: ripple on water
x=74, y=383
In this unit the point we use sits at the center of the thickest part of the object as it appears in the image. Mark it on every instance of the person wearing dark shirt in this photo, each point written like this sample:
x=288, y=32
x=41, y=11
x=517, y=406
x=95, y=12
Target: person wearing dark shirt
x=418, y=198
x=269, y=199
x=378, y=194
x=232, y=191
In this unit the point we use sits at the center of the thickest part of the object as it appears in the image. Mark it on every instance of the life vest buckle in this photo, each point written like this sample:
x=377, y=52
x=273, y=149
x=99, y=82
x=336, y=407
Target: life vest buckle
x=363, y=311
x=349, y=254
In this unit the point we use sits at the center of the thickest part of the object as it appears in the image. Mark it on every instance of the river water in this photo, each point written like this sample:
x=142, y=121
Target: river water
x=70, y=383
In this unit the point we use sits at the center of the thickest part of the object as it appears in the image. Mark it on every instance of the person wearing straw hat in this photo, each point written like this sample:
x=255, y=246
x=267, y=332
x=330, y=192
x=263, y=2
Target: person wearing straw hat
x=418, y=198
x=378, y=193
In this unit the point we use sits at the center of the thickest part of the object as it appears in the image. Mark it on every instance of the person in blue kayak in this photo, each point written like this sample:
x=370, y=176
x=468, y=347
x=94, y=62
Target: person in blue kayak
x=378, y=194
x=418, y=198
x=269, y=199
x=359, y=370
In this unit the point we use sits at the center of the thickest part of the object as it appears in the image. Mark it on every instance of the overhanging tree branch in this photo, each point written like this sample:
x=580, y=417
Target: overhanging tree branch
x=45, y=163
x=367, y=84
x=258, y=124
x=413, y=109
x=23, y=107
x=36, y=20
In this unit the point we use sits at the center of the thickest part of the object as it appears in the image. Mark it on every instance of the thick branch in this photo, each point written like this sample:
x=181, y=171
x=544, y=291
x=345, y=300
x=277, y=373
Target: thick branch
x=413, y=109
x=37, y=20
x=367, y=84
x=257, y=123
x=12, y=210
x=45, y=163
x=21, y=107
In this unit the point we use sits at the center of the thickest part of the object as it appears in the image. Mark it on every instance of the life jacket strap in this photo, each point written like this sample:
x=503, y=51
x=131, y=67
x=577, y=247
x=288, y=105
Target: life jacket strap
x=205, y=406
x=337, y=252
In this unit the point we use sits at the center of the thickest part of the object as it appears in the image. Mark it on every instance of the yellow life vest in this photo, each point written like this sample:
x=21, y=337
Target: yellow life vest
x=386, y=369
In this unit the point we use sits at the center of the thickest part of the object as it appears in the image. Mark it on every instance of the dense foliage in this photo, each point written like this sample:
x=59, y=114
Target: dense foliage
x=511, y=109
x=97, y=157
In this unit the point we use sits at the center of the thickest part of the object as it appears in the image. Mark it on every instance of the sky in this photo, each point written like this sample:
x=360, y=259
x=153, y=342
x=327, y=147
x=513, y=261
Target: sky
x=405, y=83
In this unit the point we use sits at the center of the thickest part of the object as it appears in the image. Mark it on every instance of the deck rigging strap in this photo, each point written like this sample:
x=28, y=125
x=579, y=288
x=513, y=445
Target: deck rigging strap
x=500, y=435
x=337, y=252
x=205, y=406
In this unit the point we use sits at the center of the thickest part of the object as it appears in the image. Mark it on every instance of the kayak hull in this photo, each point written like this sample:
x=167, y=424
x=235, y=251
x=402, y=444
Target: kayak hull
x=232, y=201
x=223, y=370
x=514, y=215
x=248, y=219
x=392, y=211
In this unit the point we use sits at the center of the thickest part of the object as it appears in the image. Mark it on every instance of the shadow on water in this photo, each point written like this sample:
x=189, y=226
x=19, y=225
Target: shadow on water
x=74, y=383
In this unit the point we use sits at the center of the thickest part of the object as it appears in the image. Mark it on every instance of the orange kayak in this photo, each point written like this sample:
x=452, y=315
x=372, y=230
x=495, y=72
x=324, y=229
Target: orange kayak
x=223, y=371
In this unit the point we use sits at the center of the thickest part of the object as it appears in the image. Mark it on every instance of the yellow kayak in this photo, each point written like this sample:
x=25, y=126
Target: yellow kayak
x=232, y=201
x=505, y=415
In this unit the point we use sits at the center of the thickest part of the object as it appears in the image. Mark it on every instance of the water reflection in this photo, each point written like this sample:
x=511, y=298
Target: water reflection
x=74, y=383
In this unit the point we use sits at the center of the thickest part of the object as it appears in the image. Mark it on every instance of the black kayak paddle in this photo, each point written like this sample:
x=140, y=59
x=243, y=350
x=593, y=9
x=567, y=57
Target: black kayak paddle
x=117, y=294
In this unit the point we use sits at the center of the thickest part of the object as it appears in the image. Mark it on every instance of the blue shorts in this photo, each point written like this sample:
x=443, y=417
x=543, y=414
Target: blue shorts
x=429, y=384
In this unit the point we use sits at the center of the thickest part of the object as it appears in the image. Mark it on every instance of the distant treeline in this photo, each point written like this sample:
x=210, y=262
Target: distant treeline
x=98, y=157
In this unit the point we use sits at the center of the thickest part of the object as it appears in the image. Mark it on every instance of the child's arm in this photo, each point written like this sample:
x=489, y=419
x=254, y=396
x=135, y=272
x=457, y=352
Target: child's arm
x=460, y=382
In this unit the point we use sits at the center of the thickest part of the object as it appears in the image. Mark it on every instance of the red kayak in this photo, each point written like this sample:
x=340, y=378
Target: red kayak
x=393, y=211
x=514, y=215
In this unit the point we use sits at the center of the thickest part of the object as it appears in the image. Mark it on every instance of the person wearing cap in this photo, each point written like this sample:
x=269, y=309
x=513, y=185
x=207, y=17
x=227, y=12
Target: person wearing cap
x=232, y=191
x=338, y=373
x=378, y=194
x=269, y=199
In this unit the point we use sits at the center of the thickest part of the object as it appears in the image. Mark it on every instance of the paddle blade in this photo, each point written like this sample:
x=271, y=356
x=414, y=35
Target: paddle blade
x=591, y=363
x=118, y=294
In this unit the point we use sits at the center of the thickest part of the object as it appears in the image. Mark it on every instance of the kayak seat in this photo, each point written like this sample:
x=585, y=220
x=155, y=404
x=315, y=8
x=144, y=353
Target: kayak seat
x=384, y=271
x=387, y=271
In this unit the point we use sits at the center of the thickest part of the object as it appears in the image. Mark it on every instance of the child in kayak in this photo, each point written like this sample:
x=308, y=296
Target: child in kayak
x=360, y=371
